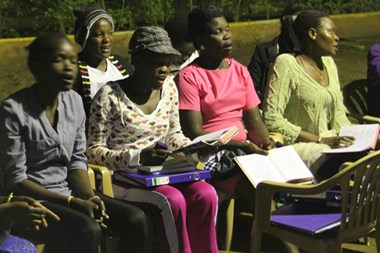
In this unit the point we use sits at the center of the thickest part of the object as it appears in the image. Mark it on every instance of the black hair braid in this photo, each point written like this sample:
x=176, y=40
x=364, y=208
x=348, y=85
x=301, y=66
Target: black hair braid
x=305, y=20
x=288, y=41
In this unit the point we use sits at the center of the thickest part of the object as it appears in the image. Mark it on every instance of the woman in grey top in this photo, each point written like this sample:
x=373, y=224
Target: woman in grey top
x=42, y=156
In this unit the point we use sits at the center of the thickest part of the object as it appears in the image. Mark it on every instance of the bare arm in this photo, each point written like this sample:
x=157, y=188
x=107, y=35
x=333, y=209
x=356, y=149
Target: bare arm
x=191, y=122
x=80, y=183
x=29, y=188
x=257, y=131
x=333, y=142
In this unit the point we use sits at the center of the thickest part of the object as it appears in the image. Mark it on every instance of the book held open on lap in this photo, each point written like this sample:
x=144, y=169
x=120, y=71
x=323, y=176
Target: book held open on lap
x=280, y=165
x=213, y=139
x=365, y=138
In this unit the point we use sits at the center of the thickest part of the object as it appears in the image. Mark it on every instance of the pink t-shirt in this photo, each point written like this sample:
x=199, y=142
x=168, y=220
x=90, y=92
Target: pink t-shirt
x=220, y=95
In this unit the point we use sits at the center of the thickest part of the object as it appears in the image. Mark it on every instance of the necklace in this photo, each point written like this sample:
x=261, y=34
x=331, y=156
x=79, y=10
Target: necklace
x=315, y=67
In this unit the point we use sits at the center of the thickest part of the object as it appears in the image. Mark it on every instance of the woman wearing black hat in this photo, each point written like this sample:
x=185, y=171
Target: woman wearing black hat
x=93, y=31
x=127, y=119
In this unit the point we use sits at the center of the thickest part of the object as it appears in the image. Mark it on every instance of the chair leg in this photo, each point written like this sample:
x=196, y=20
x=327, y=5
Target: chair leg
x=377, y=238
x=111, y=244
x=256, y=236
x=229, y=224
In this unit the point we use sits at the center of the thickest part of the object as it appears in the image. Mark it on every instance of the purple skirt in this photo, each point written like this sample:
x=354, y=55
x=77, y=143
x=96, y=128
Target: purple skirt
x=14, y=244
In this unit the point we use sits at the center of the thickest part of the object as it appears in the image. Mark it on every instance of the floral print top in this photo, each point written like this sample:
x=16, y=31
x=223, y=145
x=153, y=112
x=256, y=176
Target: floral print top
x=119, y=130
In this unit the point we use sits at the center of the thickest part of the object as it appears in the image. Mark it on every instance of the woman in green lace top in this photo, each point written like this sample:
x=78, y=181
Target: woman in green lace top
x=303, y=99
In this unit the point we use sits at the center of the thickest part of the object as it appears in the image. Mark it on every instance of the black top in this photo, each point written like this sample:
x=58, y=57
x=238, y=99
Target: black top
x=260, y=63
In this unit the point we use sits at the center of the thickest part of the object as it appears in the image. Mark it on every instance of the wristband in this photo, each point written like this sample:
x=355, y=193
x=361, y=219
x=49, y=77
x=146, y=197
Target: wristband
x=10, y=197
x=69, y=200
x=94, y=197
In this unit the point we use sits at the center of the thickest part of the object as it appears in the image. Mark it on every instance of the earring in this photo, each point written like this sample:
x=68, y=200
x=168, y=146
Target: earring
x=314, y=38
x=202, y=47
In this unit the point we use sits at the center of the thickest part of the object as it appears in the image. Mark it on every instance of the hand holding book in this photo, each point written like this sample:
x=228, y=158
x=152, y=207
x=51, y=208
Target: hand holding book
x=338, y=141
x=365, y=137
x=155, y=154
x=209, y=141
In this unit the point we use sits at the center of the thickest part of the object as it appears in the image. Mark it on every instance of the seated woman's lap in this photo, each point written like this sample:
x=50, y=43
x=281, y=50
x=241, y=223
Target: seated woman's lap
x=75, y=232
x=239, y=187
x=128, y=222
x=183, y=196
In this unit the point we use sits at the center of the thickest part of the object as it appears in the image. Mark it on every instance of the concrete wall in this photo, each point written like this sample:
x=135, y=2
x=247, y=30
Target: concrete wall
x=14, y=74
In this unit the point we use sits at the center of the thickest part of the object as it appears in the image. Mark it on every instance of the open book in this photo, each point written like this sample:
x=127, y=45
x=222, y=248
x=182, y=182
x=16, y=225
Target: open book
x=280, y=165
x=213, y=139
x=365, y=138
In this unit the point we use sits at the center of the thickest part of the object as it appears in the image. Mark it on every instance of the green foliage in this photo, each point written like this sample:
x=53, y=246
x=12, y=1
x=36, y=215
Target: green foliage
x=8, y=12
x=121, y=15
x=52, y=15
x=342, y=6
x=151, y=12
x=31, y=17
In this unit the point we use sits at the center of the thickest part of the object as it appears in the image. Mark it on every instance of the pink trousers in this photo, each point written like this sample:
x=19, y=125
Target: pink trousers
x=187, y=213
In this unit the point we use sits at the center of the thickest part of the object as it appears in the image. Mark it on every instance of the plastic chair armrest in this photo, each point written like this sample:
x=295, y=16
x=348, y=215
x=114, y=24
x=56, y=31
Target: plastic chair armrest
x=106, y=178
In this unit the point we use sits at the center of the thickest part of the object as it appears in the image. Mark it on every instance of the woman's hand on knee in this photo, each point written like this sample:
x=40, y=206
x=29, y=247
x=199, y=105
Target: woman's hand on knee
x=84, y=206
x=100, y=214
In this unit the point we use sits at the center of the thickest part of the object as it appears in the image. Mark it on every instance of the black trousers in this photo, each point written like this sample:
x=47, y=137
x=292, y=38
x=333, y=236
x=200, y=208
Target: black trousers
x=76, y=232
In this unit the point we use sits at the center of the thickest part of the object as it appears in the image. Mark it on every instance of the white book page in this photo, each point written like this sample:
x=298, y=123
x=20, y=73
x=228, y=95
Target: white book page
x=258, y=168
x=365, y=137
x=210, y=136
x=216, y=136
x=289, y=164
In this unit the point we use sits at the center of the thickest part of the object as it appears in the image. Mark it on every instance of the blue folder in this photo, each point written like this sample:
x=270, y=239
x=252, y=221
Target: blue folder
x=150, y=180
x=307, y=217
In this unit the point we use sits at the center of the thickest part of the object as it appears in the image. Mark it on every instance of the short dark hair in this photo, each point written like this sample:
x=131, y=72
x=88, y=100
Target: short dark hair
x=42, y=45
x=199, y=17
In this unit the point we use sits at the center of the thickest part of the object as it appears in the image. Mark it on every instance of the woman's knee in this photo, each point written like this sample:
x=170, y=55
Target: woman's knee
x=204, y=192
x=139, y=221
x=90, y=230
x=174, y=196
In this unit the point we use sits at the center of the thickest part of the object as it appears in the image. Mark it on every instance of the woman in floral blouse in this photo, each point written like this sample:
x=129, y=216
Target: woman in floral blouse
x=127, y=119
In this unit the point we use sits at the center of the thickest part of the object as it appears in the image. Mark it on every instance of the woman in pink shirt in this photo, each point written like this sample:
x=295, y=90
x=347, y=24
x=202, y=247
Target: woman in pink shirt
x=216, y=92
